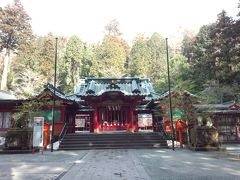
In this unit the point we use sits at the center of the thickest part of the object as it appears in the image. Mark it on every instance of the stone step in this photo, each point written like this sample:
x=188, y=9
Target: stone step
x=14, y=151
x=111, y=141
x=113, y=134
x=118, y=146
x=114, y=141
x=111, y=138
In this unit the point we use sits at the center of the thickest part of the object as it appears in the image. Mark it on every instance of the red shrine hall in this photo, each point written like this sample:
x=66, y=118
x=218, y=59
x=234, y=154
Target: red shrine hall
x=113, y=104
x=100, y=105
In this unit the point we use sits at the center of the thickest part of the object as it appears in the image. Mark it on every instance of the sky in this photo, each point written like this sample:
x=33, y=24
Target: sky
x=87, y=18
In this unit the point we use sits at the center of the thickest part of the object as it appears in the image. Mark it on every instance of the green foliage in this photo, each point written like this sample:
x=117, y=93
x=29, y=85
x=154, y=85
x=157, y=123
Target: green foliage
x=73, y=57
x=139, y=60
x=46, y=49
x=15, y=33
x=180, y=71
x=19, y=138
x=34, y=64
x=214, y=56
x=223, y=53
x=113, y=28
x=29, y=109
x=15, y=28
x=215, y=93
x=87, y=62
x=157, y=62
x=109, y=57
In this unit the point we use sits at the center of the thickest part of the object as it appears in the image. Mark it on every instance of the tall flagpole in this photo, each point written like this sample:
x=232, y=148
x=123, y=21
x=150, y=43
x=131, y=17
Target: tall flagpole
x=54, y=92
x=170, y=98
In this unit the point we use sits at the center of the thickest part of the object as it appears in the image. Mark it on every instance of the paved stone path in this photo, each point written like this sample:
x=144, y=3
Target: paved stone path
x=188, y=165
x=107, y=165
x=145, y=164
x=36, y=166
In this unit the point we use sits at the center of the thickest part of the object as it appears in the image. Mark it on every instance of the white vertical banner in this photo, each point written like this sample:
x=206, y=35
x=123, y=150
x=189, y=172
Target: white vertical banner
x=38, y=127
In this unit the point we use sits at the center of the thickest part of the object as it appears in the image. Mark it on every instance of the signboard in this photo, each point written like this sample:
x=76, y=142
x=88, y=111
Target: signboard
x=177, y=113
x=80, y=121
x=38, y=127
x=144, y=120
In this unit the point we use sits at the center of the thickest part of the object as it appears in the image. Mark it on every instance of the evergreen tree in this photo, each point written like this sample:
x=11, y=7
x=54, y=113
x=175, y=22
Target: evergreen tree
x=33, y=67
x=157, y=62
x=223, y=44
x=113, y=28
x=139, y=59
x=15, y=33
x=73, y=58
x=109, y=57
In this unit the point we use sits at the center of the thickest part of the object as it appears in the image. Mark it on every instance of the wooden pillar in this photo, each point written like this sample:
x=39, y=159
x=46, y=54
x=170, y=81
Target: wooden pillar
x=135, y=125
x=95, y=121
x=179, y=128
x=91, y=123
x=131, y=120
x=180, y=137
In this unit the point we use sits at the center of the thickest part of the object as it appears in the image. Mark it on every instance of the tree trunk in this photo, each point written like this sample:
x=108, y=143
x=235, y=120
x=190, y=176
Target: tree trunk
x=5, y=70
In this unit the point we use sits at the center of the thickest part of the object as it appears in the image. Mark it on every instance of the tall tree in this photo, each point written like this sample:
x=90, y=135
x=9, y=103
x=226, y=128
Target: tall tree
x=15, y=32
x=199, y=50
x=87, y=61
x=110, y=56
x=74, y=54
x=157, y=62
x=214, y=56
x=181, y=73
x=33, y=67
x=113, y=28
x=139, y=59
x=45, y=63
x=187, y=46
x=223, y=43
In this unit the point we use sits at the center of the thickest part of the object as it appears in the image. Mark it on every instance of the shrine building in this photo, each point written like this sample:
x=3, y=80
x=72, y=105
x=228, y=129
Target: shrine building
x=103, y=104
x=113, y=104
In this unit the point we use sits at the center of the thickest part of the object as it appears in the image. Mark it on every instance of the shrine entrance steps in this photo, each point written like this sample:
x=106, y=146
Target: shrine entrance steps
x=81, y=141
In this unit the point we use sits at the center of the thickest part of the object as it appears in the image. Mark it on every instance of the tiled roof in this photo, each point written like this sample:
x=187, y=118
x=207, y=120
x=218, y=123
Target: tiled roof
x=186, y=93
x=58, y=93
x=212, y=107
x=127, y=86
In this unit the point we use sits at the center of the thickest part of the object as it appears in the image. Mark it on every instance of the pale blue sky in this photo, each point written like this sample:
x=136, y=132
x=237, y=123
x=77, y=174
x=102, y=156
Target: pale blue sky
x=87, y=18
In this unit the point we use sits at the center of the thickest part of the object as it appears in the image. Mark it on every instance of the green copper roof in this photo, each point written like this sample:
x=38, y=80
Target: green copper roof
x=127, y=86
x=59, y=94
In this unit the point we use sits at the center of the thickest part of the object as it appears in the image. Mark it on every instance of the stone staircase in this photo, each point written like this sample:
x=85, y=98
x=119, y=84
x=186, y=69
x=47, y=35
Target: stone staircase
x=80, y=141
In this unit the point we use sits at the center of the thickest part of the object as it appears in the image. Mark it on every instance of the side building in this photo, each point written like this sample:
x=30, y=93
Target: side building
x=8, y=105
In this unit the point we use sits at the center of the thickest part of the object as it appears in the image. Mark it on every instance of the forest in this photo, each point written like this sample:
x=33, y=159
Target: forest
x=207, y=63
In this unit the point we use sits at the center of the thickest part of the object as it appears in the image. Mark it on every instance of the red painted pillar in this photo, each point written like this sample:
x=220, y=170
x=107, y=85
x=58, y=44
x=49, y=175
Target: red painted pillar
x=131, y=120
x=180, y=125
x=91, y=123
x=136, y=124
x=180, y=137
x=96, y=124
